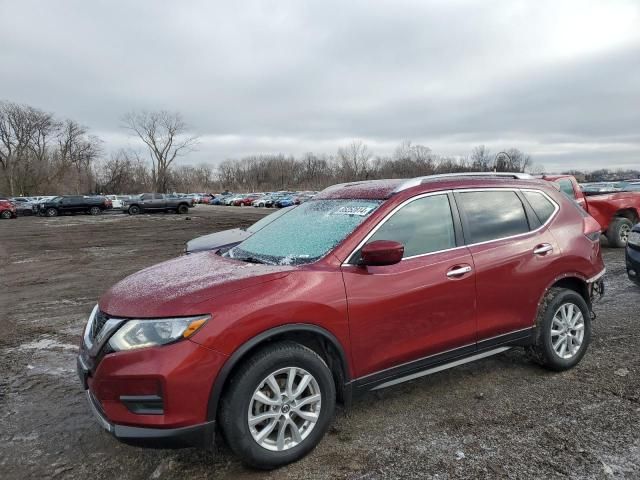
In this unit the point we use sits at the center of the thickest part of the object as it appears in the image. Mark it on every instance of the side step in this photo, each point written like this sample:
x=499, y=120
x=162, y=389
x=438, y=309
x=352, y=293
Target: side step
x=440, y=368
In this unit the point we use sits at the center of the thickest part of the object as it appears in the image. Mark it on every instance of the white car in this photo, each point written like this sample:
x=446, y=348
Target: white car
x=117, y=201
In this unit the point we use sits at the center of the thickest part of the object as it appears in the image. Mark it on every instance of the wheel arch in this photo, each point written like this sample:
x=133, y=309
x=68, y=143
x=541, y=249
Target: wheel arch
x=630, y=214
x=318, y=339
x=574, y=282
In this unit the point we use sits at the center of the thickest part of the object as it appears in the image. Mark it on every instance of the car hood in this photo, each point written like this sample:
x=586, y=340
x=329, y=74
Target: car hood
x=217, y=240
x=177, y=287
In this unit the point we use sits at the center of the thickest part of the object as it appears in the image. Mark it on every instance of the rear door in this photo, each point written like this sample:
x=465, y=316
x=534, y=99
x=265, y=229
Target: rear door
x=401, y=314
x=512, y=250
x=159, y=202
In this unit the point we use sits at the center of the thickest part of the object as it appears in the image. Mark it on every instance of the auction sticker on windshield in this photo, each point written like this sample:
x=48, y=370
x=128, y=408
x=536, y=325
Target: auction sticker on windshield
x=346, y=210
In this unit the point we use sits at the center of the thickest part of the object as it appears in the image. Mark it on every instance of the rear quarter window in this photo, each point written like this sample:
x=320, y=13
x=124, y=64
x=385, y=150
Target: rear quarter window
x=541, y=205
x=490, y=215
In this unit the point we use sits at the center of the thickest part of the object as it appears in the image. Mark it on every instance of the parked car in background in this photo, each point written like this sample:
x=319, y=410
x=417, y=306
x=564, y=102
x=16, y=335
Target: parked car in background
x=220, y=199
x=269, y=200
x=71, y=204
x=246, y=200
x=284, y=202
x=366, y=286
x=303, y=197
x=632, y=255
x=156, y=202
x=7, y=209
x=616, y=212
x=261, y=201
x=24, y=206
x=229, y=201
x=228, y=238
x=117, y=200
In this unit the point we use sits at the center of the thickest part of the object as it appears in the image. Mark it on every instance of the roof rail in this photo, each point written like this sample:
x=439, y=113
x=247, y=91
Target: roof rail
x=414, y=182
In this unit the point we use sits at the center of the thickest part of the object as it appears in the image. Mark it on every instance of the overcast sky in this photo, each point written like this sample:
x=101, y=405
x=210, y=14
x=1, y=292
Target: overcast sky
x=558, y=79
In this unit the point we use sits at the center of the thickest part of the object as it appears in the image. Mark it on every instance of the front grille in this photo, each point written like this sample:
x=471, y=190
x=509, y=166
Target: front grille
x=98, y=322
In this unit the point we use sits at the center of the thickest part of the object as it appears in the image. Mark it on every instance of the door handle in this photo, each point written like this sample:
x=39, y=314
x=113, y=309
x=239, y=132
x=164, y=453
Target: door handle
x=542, y=249
x=458, y=271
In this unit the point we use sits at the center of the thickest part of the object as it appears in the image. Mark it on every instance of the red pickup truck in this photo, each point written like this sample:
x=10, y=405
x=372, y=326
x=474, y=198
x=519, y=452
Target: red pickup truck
x=616, y=212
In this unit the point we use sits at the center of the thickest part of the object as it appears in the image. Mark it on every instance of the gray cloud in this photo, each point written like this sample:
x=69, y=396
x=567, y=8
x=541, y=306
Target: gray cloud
x=560, y=80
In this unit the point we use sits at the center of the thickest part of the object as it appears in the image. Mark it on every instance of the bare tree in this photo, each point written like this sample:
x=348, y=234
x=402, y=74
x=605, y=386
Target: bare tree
x=24, y=135
x=166, y=136
x=77, y=150
x=354, y=160
x=481, y=159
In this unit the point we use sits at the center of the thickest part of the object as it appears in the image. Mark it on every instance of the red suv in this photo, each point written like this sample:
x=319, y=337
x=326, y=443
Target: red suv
x=7, y=209
x=365, y=286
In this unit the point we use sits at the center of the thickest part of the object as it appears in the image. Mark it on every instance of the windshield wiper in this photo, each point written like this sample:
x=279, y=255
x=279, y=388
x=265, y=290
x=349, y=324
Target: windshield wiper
x=252, y=260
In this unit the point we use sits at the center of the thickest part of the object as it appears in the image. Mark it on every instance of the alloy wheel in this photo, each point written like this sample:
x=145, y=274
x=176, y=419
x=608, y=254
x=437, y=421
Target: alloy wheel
x=624, y=232
x=567, y=330
x=284, y=409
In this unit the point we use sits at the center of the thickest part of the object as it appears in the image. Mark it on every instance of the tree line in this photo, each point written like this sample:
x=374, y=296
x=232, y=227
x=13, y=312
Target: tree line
x=42, y=154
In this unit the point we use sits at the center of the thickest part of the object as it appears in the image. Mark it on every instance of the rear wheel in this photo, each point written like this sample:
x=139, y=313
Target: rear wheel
x=563, y=330
x=618, y=232
x=94, y=211
x=278, y=406
x=5, y=214
x=182, y=209
x=134, y=210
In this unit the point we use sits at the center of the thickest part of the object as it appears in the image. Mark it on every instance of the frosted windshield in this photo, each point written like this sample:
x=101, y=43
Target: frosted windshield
x=306, y=233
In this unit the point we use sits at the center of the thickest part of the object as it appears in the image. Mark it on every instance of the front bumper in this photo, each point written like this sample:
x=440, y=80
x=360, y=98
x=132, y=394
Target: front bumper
x=201, y=435
x=632, y=260
x=157, y=396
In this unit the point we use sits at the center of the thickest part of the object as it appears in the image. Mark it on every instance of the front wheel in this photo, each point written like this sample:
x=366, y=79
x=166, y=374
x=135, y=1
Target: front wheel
x=182, y=209
x=51, y=212
x=134, y=210
x=563, y=330
x=618, y=232
x=5, y=214
x=94, y=211
x=278, y=405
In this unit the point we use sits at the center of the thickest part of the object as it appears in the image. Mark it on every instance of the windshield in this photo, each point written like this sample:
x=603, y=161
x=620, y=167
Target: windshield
x=306, y=233
x=263, y=222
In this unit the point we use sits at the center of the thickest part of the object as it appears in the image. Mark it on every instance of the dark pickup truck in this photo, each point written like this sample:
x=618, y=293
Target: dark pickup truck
x=74, y=204
x=156, y=202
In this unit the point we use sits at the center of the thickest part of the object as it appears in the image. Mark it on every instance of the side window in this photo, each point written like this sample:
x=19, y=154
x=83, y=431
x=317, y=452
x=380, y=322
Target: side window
x=422, y=226
x=146, y=196
x=158, y=196
x=492, y=214
x=566, y=187
x=540, y=204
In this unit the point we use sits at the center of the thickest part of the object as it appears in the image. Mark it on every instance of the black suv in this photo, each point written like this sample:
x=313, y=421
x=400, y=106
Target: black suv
x=73, y=204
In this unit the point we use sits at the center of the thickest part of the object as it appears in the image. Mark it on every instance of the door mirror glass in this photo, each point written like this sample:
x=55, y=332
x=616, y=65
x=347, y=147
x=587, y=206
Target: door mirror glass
x=381, y=252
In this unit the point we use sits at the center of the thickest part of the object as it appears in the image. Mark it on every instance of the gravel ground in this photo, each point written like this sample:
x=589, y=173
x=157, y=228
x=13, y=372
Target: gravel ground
x=501, y=417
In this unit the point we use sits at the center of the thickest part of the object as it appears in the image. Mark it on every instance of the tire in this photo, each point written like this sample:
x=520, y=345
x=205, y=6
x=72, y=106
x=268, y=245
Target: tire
x=182, y=209
x=5, y=214
x=550, y=320
x=95, y=211
x=134, y=210
x=51, y=212
x=618, y=232
x=277, y=361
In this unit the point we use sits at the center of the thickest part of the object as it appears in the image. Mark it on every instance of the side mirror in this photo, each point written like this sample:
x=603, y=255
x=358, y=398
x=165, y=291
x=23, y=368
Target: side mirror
x=381, y=252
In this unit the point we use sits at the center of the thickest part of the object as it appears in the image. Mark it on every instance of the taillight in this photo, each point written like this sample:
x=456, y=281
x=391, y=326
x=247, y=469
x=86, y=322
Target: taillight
x=591, y=228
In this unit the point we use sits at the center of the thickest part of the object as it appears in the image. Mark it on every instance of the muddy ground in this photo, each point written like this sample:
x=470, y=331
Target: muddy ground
x=502, y=417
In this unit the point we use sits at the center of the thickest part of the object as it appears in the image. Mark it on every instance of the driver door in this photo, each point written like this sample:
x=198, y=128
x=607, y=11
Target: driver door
x=425, y=305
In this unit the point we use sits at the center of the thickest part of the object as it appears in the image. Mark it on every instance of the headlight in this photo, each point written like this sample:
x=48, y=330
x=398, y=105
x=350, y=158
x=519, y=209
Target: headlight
x=151, y=333
x=634, y=239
